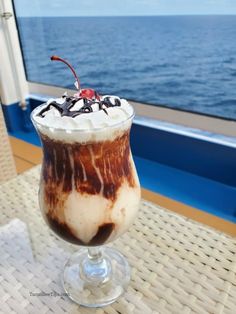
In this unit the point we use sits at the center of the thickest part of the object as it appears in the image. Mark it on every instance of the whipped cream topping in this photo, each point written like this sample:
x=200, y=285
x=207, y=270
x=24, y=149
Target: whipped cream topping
x=72, y=113
x=81, y=120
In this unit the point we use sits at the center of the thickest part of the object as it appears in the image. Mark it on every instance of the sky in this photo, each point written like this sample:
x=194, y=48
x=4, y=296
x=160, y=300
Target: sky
x=122, y=7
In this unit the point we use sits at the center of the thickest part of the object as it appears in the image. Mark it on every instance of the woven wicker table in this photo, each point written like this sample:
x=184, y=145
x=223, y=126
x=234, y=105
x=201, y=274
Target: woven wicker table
x=178, y=266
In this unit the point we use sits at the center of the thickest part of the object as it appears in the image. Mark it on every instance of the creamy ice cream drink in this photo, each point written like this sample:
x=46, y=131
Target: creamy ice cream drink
x=89, y=189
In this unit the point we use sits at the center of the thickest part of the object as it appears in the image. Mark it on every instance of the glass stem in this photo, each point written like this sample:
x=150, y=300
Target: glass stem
x=95, y=254
x=95, y=267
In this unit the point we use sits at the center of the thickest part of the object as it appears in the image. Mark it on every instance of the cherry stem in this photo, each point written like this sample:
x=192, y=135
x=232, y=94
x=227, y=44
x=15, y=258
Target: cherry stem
x=56, y=58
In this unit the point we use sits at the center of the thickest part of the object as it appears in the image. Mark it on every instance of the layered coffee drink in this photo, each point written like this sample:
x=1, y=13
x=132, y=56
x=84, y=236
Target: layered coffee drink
x=89, y=190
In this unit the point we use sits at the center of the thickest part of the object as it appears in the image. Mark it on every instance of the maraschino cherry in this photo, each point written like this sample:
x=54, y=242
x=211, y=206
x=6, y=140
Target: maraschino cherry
x=87, y=93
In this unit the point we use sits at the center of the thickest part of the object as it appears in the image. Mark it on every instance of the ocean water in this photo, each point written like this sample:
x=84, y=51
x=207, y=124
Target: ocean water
x=185, y=62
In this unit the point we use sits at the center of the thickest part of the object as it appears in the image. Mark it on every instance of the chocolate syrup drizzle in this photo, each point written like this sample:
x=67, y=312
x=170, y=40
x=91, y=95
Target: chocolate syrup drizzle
x=68, y=104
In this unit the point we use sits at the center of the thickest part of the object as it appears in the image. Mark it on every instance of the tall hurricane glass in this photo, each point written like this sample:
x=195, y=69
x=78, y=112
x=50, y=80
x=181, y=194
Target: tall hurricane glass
x=89, y=195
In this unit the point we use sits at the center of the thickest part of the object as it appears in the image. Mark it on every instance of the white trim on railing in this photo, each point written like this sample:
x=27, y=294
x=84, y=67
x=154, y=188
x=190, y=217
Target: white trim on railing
x=13, y=84
x=188, y=119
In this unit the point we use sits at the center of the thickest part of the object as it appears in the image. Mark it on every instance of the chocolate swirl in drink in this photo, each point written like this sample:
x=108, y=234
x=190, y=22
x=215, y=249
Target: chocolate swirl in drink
x=89, y=189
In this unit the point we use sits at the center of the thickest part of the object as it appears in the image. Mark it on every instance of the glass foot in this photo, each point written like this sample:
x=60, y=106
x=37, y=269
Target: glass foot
x=96, y=277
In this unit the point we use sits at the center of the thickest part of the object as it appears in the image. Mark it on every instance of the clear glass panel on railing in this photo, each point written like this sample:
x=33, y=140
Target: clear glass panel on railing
x=133, y=49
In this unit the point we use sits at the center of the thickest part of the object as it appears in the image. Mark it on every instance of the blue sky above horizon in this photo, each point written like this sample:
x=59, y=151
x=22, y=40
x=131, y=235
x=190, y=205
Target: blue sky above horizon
x=122, y=7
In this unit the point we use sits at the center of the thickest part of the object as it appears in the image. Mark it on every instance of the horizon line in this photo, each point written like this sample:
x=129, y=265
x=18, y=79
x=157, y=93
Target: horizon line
x=146, y=15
